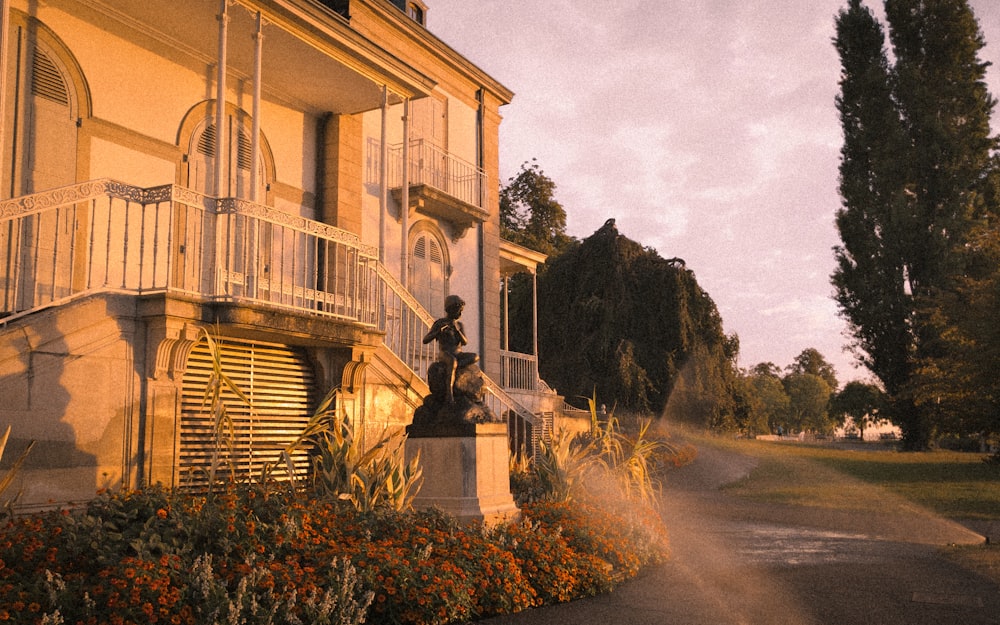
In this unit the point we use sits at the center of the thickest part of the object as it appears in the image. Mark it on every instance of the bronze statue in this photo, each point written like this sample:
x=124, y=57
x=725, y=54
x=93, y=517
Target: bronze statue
x=450, y=335
x=458, y=387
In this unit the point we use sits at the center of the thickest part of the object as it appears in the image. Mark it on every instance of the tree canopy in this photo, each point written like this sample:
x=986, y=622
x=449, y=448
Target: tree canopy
x=617, y=319
x=861, y=401
x=530, y=215
x=814, y=363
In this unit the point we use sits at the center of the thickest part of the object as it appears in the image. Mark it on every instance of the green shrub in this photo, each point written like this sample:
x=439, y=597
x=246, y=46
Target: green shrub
x=625, y=465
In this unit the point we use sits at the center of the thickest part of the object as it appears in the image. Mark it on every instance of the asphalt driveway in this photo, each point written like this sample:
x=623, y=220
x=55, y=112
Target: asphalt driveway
x=738, y=562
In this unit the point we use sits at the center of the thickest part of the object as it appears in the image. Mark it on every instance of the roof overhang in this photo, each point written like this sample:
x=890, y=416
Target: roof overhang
x=311, y=58
x=516, y=258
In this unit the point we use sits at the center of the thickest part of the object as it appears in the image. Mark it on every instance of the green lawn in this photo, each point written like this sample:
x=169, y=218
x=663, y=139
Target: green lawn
x=953, y=484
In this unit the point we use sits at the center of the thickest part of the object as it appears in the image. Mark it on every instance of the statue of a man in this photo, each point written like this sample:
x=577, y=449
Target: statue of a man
x=450, y=335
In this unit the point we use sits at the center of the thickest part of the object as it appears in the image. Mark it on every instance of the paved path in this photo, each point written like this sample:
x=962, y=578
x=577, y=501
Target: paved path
x=740, y=563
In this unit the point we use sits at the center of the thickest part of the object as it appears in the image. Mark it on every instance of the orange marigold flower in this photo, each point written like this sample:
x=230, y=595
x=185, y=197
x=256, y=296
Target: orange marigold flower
x=161, y=513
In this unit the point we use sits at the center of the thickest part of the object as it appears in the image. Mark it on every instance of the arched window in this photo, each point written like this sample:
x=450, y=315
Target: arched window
x=42, y=112
x=237, y=159
x=44, y=95
x=429, y=267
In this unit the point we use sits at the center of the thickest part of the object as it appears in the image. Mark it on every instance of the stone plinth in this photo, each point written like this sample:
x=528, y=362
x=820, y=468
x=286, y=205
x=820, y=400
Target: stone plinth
x=465, y=469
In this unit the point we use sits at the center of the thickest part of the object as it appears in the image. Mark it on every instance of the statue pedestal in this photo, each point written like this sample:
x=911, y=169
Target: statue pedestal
x=466, y=470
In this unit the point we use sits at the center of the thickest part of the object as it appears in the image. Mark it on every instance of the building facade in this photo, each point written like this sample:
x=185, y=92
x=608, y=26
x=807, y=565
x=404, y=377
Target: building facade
x=302, y=181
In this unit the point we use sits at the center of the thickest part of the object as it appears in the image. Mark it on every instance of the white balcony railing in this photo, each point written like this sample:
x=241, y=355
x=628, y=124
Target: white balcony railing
x=435, y=167
x=518, y=371
x=106, y=236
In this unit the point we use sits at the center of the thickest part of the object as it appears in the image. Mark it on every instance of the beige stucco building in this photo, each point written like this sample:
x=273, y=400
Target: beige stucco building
x=173, y=168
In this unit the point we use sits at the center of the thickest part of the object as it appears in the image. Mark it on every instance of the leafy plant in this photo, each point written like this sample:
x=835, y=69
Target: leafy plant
x=8, y=478
x=624, y=463
x=343, y=469
x=629, y=460
x=562, y=466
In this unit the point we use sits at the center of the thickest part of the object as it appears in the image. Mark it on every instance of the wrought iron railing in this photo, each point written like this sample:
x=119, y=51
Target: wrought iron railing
x=518, y=371
x=435, y=167
x=108, y=236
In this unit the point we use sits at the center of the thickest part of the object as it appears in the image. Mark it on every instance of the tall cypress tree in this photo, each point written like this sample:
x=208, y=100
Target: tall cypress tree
x=871, y=273
x=916, y=153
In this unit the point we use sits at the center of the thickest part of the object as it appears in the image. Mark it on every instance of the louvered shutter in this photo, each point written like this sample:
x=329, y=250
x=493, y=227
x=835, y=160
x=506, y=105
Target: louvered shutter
x=280, y=384
x=427, y=275
x=47, y=81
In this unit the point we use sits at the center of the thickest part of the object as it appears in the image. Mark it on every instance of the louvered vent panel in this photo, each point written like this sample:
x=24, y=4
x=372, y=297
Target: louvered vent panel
x=277, y=380
x=47, y=81
x=206, y=143
x=244, y=153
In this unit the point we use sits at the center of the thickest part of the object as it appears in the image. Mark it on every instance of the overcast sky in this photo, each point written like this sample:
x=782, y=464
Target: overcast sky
x=706, y=128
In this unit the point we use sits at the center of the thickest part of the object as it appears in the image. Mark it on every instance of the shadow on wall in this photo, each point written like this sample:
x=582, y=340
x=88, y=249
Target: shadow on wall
x=34, y=401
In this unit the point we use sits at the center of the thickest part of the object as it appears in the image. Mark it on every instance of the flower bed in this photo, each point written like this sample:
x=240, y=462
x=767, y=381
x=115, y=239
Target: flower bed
x=264, y=555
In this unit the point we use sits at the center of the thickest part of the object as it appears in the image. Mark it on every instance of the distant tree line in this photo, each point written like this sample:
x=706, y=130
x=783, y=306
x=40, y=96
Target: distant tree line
x=805, y=397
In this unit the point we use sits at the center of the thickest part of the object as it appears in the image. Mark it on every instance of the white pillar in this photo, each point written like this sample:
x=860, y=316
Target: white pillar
x=255, y=138
x=220, y=97
x=4, y=30
x=404, y=208
x=534, y=314
x=383, y=175
x=506, y=312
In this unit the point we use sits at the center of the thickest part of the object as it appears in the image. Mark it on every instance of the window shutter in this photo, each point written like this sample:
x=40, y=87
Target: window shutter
x=47, y=81
x=206, y=142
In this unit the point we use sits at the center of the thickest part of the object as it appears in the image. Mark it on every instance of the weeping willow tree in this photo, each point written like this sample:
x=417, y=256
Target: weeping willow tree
x=617, y=318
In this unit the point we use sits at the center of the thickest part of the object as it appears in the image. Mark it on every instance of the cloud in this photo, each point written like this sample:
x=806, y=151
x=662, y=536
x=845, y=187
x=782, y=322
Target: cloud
x=707, y=128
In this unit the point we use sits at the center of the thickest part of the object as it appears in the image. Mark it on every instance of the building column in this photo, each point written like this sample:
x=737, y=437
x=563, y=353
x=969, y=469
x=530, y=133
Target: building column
x=534, y=315
x=4, y=32
x=255, y=137
x=343, y=171
x=383, y=175
x=220, y=97
x=404, y=202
